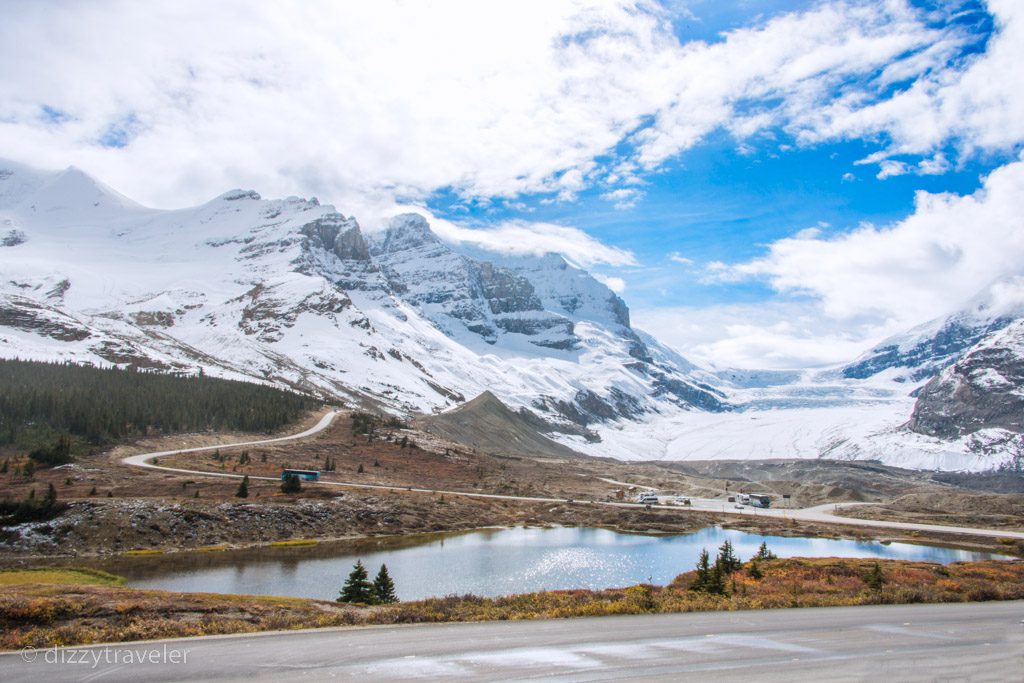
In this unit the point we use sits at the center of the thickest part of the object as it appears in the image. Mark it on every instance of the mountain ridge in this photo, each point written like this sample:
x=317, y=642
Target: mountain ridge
x=293, y=293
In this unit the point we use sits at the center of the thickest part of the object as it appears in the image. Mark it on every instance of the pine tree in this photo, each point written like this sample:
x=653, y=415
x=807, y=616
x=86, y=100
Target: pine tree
x=359, y=470
x=703, y=571
x=291, y=484
x=716, y=580
x=51, y=497
x=763, y=553
x=243, y=488
x=384, y=587
x=357, y=587
x=727, y=561
x=875, y=578
x=755, y=572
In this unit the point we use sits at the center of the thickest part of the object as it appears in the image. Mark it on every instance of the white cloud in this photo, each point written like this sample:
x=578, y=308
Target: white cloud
x=326, y=98
x=978, y=107
x=679, y=258
x=919, y=268
x=398, y=99
x=767, y=335
x=616, y=284
x=536, y=239
x=623, y=198
x=786, y=70
x=889, y=169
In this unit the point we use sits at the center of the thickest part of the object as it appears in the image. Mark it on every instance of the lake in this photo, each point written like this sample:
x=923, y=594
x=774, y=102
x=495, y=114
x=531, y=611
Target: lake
x=488, y=562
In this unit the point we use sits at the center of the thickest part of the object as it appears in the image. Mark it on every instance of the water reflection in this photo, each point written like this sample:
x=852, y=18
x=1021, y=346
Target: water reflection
x=488, y=563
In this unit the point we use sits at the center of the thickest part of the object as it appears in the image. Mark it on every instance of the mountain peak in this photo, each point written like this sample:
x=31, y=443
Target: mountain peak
x=407, y=231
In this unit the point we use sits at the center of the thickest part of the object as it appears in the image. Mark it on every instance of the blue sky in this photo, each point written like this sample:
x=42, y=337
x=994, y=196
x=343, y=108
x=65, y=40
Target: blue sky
x=766, y=183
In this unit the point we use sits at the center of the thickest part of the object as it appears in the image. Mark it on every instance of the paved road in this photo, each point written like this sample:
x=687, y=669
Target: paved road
x=821, y=513
x=958, y=642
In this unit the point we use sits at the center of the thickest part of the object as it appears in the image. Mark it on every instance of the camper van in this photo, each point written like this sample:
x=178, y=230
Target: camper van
x=648, y=498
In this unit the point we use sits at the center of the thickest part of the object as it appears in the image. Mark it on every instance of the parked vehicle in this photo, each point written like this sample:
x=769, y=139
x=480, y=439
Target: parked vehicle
x=648, y=498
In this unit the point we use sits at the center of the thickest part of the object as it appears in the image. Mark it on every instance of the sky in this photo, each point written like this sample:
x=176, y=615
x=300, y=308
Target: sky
x=767, y=184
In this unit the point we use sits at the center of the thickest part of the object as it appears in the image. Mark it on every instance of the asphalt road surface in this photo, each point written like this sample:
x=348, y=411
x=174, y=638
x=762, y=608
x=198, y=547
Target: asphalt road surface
x=953, y=642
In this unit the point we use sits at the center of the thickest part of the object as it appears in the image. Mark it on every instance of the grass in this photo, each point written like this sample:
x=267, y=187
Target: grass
x=62, y=577
x=294, y=542
x=143, y=552
x=46, y=615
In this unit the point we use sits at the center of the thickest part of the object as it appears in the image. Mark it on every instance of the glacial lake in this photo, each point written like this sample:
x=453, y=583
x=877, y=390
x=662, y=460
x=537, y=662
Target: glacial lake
x=488, y=562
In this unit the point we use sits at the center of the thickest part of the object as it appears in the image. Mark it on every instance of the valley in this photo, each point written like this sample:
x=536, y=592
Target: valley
x=399, y=480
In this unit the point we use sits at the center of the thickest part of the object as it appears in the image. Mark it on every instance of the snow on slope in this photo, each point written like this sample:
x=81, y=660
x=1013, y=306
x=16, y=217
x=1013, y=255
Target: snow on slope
x=288, y=292
x=291, y=292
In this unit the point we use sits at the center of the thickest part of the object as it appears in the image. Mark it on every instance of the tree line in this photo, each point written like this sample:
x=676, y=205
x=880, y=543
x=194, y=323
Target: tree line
x=52, y=409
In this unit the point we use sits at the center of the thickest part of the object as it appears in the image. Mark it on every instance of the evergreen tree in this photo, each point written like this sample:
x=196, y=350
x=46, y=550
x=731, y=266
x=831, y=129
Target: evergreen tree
x=727, y=561
x=875, y=578
x=384, y=587
x=51, y=496
x=755, y=572
x=703, y=571
x=357, y=587
x=291, y=484
x=763, y=553
x=50, y=410
x=359, y=470
x=716, y=580
x=243, y=488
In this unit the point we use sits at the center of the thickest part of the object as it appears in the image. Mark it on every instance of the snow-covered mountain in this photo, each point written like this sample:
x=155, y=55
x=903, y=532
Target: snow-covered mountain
x=294, y=293
x=980, y=398
x=922, y=352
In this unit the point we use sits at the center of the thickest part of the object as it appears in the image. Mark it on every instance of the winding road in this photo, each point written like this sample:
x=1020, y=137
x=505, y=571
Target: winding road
x=820, y=513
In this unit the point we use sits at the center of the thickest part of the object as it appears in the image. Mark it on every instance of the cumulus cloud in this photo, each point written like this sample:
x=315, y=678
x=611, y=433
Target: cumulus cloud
x=536, y=239
x=977, y=106
x=324, y=98
x=922, y=267
x=772, y=335
x=782, y=73
x=172, y=102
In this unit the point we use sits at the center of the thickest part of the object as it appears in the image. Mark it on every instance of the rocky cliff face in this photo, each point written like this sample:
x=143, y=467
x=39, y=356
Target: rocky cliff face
x=923, y=351
x=294, y=293
x=983, y=390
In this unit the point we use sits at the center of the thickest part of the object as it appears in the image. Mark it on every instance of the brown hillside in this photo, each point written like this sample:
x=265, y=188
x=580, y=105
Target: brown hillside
x=488, y=425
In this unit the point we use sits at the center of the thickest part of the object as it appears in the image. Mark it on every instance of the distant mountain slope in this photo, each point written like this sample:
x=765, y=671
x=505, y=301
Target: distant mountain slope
x=984, y=390
x=925, y=350
x=488, y=425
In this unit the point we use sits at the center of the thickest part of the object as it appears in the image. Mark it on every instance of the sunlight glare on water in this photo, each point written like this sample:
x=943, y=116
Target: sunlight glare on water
x=492, y=562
